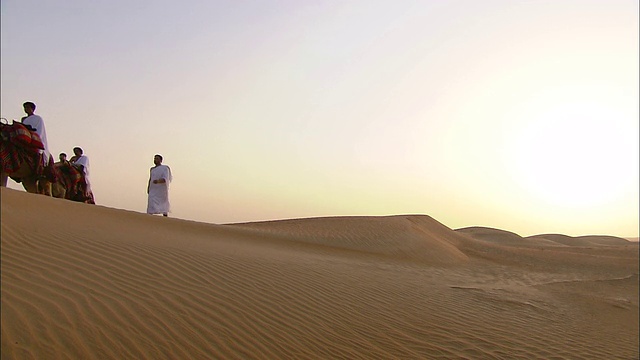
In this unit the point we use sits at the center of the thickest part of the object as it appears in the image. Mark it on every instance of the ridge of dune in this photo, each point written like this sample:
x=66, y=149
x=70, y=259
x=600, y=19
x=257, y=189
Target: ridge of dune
x=547, y=251
x=509, y=238
x=491, y=234
x=586, y=240
x=410, y=237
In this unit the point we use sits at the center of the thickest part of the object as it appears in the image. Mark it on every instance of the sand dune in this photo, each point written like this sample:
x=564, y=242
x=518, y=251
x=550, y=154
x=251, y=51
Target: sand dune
x=508, y=238
x=493, y=235
x=89, y=282
x=593, y=240
x=419, y=238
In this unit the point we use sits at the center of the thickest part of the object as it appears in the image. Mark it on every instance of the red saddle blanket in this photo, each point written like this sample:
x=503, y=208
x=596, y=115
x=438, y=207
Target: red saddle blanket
x=68, y=176
x=18, y=146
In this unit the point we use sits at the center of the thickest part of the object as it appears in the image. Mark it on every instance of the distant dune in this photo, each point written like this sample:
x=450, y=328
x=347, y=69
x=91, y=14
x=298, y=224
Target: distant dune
x=592, y=240
x=492, y=235
x=89, y=282
x=506, y=237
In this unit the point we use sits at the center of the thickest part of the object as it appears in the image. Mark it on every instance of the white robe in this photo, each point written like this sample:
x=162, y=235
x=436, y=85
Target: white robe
x=159, y=193
x=84, y=161
x=36, y=122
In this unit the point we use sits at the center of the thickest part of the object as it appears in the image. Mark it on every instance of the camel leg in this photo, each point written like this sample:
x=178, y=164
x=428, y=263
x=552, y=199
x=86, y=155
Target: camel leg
x=21, y=173
x=30, y=185
x=58, y=191
x=43, y=186
x=46, y=187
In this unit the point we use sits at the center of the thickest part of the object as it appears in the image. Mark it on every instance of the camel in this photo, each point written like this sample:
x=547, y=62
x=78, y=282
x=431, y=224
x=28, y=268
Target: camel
x=70, y=184
x=31, y=182
x=20, y=158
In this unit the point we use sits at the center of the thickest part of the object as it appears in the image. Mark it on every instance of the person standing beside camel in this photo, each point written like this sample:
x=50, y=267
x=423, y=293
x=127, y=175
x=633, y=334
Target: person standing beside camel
x=158, y=188
x=81, y=162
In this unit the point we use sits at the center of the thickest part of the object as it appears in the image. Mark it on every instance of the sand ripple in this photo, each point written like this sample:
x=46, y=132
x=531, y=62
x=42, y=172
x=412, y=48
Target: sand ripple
x=87, y=282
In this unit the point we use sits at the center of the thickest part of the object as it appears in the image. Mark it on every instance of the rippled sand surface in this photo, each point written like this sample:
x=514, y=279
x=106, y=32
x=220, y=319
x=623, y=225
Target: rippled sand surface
x=89, y=282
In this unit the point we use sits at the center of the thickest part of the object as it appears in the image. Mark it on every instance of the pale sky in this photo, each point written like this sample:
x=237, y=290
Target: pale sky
x=517, y=115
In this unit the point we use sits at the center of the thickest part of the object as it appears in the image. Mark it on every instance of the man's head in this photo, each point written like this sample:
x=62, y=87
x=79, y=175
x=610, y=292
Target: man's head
x=77, y=151
x=157, y=159
x=62, y=157
x=29, y=107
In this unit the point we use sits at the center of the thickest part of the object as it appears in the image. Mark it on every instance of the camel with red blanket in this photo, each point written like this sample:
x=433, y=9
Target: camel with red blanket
x=71, y=183
x=22, y=160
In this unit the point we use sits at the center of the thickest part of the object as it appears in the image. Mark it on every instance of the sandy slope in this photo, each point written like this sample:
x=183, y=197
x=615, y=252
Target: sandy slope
x=88, y=282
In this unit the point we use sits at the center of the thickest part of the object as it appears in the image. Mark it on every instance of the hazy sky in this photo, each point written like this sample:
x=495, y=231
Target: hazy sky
x=518, y=115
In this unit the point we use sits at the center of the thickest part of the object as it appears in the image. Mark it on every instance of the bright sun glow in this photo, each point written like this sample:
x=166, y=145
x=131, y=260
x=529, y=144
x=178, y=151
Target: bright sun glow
x=518, y=115
x=575, y=154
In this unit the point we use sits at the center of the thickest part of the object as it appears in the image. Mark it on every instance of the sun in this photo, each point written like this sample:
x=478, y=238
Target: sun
x=576, y=154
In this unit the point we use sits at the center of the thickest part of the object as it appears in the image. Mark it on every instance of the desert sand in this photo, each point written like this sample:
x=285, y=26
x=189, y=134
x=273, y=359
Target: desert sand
x=90, y=282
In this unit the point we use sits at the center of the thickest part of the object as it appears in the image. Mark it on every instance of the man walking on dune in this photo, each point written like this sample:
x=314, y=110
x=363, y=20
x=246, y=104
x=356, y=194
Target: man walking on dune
x=158, y=188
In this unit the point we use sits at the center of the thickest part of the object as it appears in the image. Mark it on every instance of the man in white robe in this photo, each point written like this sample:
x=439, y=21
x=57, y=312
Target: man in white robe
x=36, y=123
x=158, y=188
x=81, y=161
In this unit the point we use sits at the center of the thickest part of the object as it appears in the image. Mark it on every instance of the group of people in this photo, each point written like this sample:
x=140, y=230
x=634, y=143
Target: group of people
x=159, y=178
x=81, y=163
